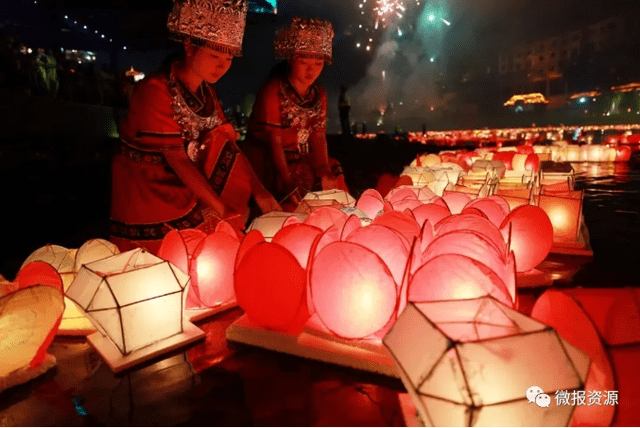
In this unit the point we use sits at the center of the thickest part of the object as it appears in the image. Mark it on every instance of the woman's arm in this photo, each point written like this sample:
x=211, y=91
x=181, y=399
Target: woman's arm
x=193, y=179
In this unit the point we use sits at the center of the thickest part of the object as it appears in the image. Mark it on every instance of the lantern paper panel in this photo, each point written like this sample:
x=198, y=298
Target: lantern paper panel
x=471, y=362
x=134, y=298
x=340, y=196
x=269, y=224
x=420, y=176
x=565, y=215
x=62, y=259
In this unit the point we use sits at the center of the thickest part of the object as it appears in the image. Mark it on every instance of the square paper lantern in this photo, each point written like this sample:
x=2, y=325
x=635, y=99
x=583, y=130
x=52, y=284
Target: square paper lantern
x=340, y=196
x=135, y=299
x=307, y=206
x=565, y=212
x=471, y=362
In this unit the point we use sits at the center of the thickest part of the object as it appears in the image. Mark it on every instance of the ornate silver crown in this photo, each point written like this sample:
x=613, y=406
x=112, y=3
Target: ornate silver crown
x=217, y=24
x=305, y=38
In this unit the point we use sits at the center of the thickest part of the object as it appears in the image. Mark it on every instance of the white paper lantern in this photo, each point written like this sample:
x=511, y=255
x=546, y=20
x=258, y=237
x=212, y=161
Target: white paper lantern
x=134, y=298
x=269, y=224
x=340, y=196
x=421, y=176
x=471, y=362
x=62, y=259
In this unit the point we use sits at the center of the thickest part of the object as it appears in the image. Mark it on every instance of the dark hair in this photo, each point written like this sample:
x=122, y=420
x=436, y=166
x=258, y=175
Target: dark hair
x=281, y=69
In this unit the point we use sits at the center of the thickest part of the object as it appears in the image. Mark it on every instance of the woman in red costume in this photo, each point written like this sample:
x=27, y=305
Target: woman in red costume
x=286, y=137
x=178, y=165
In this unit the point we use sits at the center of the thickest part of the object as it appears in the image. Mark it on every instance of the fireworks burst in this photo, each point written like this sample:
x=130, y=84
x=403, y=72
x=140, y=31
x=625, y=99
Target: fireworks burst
x=386, y=10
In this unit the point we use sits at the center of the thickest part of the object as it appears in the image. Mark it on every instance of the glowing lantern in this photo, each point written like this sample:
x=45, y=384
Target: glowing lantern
x=351, y=225
x=272, y=301
x=558, y=310
x=471, y=363
x=420, y=176
x=30, y=311
x=491, y=209
x=249, y=241
x=307, y=206
x=505, y=157
x=401, y=193
x=94, y=250
x=431, y=212
x=406, y=204
x=400, y=222
x=531, y=235
x=453, y=276
x=518, y=162
x=61, y=258
x=477, y=247
x=495, y=168
x=370, y=202
x=340, y=196
x=532, y=163
x=178, y=247
x=389, y=245
x=211, y=271
x=615, y=312
x=324, y=218
x=134, y=298
x=298, y=239
x=474, y=223
x=623, y=154
x=564, y=213
x=456, y=201
x=269, y=224
x=352, y=290
x=429, y=160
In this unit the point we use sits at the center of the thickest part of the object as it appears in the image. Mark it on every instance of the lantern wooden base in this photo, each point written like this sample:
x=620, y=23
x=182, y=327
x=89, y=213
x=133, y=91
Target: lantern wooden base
x=534, y=278
x=195, y=315
x=579, y=247
x=26, y=373
x=81, y=329
x=316, y=345
x=118, y=362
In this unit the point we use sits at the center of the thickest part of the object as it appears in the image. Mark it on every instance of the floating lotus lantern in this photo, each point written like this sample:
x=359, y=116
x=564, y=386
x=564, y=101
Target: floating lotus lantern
x=30, y=312
x=495, y=168
x=558, y=310
x=530, y=233
x=353, y=291
x=420, y=176
x=270, y=286
x=471, y=363
x=370, y=202
x=135, y=300
x=269, y=224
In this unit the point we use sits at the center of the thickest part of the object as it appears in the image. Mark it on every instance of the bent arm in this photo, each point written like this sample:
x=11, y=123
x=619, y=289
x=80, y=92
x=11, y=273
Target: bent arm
x=193, y=179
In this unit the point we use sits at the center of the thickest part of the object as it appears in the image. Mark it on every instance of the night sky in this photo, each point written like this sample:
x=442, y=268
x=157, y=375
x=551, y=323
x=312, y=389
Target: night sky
x=479, y=29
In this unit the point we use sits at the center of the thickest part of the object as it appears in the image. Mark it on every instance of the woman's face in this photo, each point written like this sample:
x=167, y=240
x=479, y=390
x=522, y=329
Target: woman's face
x=208, y=64
x=306, y=70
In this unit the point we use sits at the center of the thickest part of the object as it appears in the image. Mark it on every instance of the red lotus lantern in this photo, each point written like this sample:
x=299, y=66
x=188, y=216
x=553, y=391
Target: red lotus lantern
x=211, y=270
x=473, y=223
x=352, y=224
x=178, y=247
x=563, y=314
x=505, y=157
x=352, y=290
x=532, y=163
x=250, y=240
x=531, y=236
x=270, y=286
x=324, y=218
x=456, y=277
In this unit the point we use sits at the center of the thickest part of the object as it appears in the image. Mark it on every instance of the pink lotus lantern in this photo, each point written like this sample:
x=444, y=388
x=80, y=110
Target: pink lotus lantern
x=178, y=247
x=558, y=310
x=476, y=224
x=370, y=202
x=431, y=212
x=477, y=247
x=400, y=222
x=494, y=212
x=455, y=277
x=324, y=218
x=456, y=201
x=352, y=290
x=298, y=239
x=30, y=312
x=473, y=363
x=530, y=233
x=270, y=287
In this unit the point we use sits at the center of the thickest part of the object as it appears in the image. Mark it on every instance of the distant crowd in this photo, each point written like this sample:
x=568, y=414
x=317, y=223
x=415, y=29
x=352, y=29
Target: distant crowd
x=50, y=73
